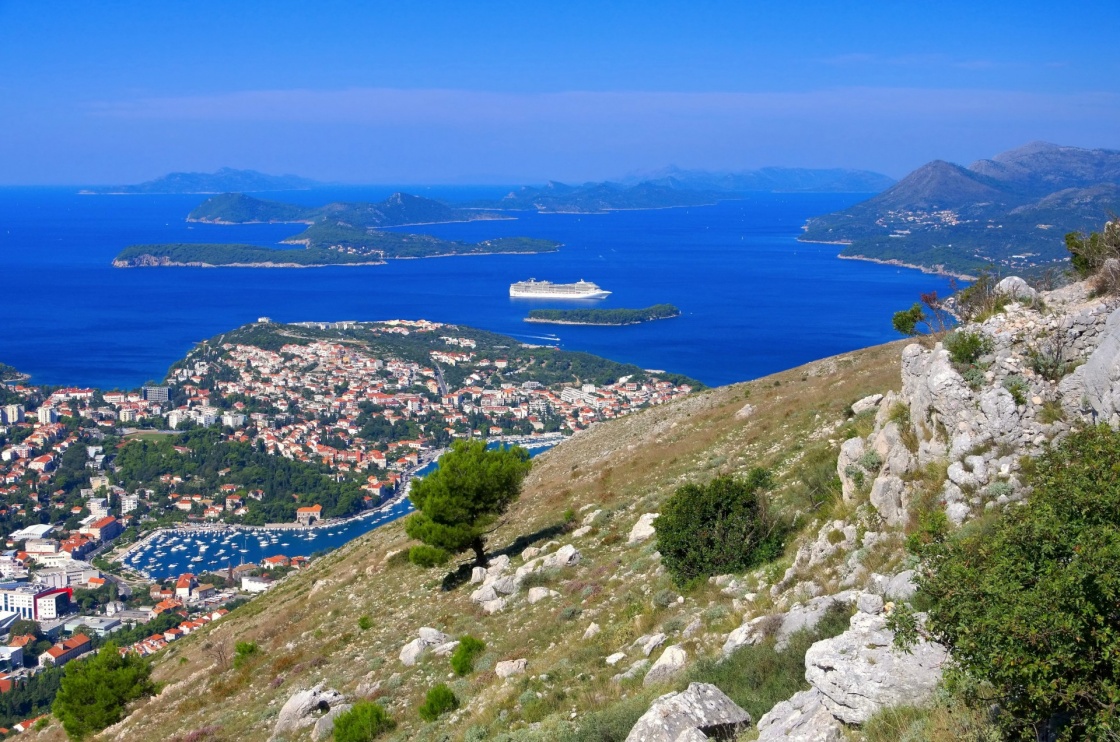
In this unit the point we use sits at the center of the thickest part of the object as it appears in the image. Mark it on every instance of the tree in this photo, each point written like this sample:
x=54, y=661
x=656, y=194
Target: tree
x=723, y=526
x=907, y=321
x=459, y=503
x=94, y=691
x=1030, y=605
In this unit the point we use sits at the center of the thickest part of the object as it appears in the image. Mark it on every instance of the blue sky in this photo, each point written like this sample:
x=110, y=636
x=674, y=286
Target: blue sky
x=459, y=92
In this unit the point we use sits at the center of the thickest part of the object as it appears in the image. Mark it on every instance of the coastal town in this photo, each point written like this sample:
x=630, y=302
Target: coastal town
x=89, y=477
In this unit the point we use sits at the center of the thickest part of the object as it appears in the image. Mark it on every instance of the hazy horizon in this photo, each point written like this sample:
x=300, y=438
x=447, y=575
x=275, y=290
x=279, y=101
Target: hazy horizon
x=452, y=94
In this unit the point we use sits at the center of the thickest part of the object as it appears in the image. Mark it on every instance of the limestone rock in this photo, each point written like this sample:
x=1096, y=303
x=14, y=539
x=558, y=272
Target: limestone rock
x=866, y=403
x=506, y=585
x=643, y=529
x=1016, y=288
x=478, y=574
x=537, y=594
x=324, y=725
x=745, y=411
x=581, y=531
x=428, y=637
x=648, y=643
x=484, y=594
x=860, y=672
x=888, y=495
x=850, y=452
x=701, y=708
x=1095, y=386
x=494, y=606
x=803, y=718
x=870, y=603
x=614, y=659
x=592, y=631
x=304, y=707
x=498, y=566
x=510, y=667
x=667, y=666
x=445, y=649
x=901, y=586
x=566, y=556
x=635, y=670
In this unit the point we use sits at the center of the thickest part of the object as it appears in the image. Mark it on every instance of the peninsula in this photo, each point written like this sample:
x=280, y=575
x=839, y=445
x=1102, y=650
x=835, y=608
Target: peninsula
x=603, y=316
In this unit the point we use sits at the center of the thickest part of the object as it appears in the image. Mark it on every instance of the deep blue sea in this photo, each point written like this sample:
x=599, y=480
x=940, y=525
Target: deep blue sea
x=754, y=300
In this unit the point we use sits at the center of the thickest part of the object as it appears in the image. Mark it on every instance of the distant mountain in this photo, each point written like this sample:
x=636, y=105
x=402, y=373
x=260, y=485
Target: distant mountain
x=1011, y=211
x=770, y=179
x=591, y=198
x=222, y=181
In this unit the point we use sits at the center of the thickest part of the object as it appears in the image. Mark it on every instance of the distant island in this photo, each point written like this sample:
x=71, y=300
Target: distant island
x=337, y=234
x=373, y=249
x=603, y=316
x=1011, y=211
x=221, y=181
x=769, y=180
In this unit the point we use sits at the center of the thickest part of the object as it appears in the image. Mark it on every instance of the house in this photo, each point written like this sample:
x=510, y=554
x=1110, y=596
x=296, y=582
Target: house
x=308, y=515
x=65, y=651
x=185, y=585
x=276, y=561
x=251, y=584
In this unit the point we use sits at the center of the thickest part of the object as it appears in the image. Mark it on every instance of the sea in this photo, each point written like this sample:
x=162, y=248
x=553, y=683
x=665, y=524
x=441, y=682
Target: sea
x=753, y=299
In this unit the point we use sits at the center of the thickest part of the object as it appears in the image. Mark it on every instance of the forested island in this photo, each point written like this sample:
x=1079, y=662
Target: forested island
x=355, y=248
x=603, y=316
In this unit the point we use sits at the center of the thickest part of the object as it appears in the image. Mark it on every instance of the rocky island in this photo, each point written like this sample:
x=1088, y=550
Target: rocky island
x=609, y=317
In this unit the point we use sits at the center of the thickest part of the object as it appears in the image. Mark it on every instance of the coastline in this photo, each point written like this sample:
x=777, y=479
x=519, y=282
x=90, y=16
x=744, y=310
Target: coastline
x=936, y=271
x=124, y=264
x=595, y=324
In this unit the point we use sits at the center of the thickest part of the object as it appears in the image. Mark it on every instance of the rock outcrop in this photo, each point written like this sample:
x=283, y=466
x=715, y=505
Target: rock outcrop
x=410, y=653
x=668, y=665
x=803, y=718
x=701, y=708
x=304, y=708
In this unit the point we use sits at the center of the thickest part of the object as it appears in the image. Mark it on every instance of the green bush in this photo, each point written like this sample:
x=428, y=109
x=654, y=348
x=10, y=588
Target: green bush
x=243, y=651
x=94, y=691
x=871, y=461
x=1017, y=385
x=440, y=700
x=364, y=722
x=1027, y=603
x=462, y=659
x=906, y=321
x=965, y=348
x=723, y=526
x=365, y=623
x=428, y=556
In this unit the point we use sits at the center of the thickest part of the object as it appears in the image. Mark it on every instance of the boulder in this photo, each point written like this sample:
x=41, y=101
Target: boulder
x=867, y=403
x=445, y=649
x=701, y=709
x=324, y=725
x=581, y=531
x=901, y=586
x=643, y=529
x=648, y=643
x=478, y=574
x=498, y=566
x=614, y=659
x=493, y=606
x=484, y=594
x=537, y=594
x=635, y=670
x=510, y=667
x=888, y=443
x=506, y=585
x=870, y=603
x=1093, y=389
x=428, y=637
x=803, y=718
x=566, y=556
x=803, y=616
x=667, y=666
x=304, y=707
x=1014, y=287
x=860, y=672
x=592, y=631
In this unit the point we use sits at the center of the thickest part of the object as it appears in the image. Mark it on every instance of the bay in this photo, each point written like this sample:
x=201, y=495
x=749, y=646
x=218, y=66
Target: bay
x=753, y=299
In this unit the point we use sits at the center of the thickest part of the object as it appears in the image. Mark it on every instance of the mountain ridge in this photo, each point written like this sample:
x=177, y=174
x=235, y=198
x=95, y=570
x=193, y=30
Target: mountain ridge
x=220, y=181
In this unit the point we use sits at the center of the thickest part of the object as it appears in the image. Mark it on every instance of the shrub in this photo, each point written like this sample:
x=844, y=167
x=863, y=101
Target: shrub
x=906, y=322
x=1088, y=253
x=980, y=300
x=1027, y=603
x=364, y=722
x=1017, y=385
x=974, y=377
x=462, y=659
x=1051, y=412
x=570, y=613
x=243, y=651
x=965, y=348
x=664, y=598
x=428, y=556
x=871, y=460
x=365, y=623
x=439, y=701
x=94, y=692
x=723, y=526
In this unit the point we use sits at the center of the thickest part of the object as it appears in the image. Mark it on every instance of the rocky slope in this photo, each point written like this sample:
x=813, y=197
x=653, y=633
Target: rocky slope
x=581, y=622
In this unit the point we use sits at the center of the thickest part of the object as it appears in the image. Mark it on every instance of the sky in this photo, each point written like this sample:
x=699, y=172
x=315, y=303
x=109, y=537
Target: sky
x=524, y=92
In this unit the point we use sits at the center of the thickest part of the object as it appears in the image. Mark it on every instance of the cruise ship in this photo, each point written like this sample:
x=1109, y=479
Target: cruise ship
x=547, y=290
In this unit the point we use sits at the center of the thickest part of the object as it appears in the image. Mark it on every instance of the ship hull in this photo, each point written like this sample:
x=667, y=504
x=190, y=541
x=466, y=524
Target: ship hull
x=519, y=294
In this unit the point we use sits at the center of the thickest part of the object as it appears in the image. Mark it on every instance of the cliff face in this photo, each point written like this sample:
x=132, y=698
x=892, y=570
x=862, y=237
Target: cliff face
x=580, y=619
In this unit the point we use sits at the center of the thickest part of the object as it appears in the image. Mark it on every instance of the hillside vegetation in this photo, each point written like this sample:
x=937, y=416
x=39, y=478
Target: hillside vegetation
x=310, y=627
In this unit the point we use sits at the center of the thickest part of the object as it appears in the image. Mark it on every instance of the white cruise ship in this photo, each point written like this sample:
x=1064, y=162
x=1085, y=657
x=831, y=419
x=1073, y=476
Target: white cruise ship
x=547, y=290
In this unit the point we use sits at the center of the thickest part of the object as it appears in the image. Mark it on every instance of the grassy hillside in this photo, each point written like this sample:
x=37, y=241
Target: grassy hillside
x=308, y=626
